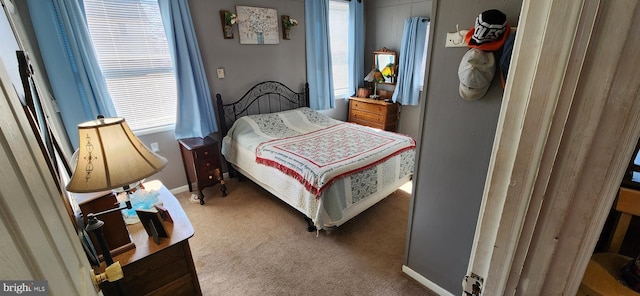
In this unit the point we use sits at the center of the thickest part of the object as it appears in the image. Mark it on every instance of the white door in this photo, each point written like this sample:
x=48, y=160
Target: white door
x=38, y=241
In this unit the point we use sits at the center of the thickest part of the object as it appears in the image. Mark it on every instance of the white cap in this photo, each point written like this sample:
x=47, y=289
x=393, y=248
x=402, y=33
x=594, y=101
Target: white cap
x=475, y=72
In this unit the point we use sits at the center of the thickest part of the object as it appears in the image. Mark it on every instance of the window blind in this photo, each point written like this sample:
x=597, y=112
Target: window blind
x=339, y=38
x=133, y=55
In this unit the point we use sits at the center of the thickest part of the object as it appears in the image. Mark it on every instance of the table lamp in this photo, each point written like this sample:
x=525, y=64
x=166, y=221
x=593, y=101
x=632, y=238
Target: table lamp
x=110, y=157
x=374, y=76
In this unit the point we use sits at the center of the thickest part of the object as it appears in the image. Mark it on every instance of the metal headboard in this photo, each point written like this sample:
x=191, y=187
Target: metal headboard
x=264, y=97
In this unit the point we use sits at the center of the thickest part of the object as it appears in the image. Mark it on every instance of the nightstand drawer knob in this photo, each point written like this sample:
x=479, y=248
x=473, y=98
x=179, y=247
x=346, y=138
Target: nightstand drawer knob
x=210, y=177
x=206, y=153
x=208, y=164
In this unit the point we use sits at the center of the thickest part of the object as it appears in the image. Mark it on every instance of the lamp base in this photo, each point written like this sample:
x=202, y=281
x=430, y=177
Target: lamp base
x=116, y=233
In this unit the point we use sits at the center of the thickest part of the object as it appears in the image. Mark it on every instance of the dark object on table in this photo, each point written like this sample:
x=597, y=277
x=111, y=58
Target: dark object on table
x=152, y=225
x=164, y=213
x=116, y=233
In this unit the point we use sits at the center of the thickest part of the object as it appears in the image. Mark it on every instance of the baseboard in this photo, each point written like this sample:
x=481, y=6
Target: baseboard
x=180, y=189
x=185, y=187
x=424, y=281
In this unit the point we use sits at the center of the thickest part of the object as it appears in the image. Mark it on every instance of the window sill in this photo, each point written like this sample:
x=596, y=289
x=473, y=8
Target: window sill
x=341, y=96
x=154, y=130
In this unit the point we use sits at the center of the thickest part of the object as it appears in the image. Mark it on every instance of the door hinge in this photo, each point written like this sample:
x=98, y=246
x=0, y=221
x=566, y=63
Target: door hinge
x=472, y=285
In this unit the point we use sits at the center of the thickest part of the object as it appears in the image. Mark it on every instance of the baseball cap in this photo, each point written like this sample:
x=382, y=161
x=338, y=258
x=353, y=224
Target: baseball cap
x=475, y=72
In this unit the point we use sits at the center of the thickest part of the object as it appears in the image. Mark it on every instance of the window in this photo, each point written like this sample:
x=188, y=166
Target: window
x=423, y=63
x=339, y=38
x=133, y=55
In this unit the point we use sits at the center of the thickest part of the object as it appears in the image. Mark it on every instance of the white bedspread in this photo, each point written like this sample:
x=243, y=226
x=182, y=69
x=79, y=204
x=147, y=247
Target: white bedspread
x=318, y=158
x=347, y=195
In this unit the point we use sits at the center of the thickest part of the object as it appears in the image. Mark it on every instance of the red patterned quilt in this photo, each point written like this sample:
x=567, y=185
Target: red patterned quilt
x=318, y=158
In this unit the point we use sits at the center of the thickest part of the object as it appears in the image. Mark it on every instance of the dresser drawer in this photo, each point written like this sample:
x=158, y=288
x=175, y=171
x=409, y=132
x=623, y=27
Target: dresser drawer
x=203, y=153
x=366, y=107
x=209, y=174
x=359, y=116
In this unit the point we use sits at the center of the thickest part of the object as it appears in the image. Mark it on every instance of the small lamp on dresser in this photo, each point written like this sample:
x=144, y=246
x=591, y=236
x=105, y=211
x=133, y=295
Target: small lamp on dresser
x=110, y=157
x=374, y=76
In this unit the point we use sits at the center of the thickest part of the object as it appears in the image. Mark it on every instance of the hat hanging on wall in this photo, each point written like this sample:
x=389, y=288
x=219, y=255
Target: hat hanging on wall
x=489, y=32
x=476, y=72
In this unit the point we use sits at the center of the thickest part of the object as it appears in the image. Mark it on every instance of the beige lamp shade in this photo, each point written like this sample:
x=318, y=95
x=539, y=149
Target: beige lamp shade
x=111, y=156
x=373, y=76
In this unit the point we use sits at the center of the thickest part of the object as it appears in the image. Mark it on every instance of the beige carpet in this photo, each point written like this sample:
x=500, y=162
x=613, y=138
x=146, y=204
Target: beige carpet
x=251, y=243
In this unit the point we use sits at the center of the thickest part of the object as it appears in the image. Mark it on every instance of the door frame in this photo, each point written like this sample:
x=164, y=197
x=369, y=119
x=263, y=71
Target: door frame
x=569, y=121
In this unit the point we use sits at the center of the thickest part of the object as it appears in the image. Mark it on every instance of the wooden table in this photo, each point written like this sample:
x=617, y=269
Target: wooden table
x=159, y=269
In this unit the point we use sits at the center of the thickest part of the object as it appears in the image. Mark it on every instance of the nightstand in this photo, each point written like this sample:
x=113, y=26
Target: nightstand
x=374, y=113
x=201, y=158
x=166, y=268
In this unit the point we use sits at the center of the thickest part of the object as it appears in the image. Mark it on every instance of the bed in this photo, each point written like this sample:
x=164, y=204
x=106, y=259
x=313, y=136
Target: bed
x=328, y=170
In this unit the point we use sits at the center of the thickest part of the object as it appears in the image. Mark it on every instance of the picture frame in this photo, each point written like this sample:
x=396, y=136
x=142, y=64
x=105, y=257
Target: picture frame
x=164, y=213
x=152, y=225
x=257, y=25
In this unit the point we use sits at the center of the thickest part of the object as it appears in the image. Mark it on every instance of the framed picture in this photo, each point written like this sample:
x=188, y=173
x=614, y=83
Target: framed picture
x=152, y=224
x=258, y=25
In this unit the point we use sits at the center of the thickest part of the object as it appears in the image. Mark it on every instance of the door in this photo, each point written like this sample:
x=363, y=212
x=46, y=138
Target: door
x=569, y=123
x=39, y=241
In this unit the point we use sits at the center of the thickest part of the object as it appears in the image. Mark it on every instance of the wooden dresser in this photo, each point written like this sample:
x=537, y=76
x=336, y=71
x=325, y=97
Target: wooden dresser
x=373, y=113
x=201, y=158
x=159, y=269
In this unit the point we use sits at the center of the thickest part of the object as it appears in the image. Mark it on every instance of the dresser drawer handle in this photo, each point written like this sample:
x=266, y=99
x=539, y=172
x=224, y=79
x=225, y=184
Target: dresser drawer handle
x=210, y=177
x=208, y=164
x=206, y=153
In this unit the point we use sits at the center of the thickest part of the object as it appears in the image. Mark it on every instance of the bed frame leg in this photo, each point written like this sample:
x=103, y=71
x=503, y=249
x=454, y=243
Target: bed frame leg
x=310, y=226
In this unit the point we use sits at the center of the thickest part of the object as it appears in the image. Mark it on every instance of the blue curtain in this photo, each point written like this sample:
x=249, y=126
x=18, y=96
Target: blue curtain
x=195, y=115
x=69, y=57
x=356, y=45
x=316, y=13
x=410, y=68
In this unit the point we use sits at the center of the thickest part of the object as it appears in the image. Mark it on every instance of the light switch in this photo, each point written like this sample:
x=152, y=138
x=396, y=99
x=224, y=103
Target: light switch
x=220, y=73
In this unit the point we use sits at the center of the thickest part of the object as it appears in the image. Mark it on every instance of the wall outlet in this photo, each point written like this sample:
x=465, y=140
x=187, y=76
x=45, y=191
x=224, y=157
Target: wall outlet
x=220, y=72
x=154, y=147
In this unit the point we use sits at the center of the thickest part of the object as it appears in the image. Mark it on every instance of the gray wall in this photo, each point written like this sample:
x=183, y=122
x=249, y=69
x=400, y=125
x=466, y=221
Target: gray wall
x=454, y=152
x=244, y=66
x=384, y=21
